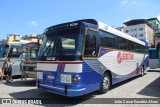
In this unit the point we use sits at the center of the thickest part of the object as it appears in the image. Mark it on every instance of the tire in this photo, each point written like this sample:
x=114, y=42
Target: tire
x=142, y=72
x=105, y=83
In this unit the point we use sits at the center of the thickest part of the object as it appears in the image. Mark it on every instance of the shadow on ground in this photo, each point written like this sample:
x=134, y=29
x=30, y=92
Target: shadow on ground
x=50, y=98
x=152, y=89
x=154, y=71
x=124, y=82
x=22, y=83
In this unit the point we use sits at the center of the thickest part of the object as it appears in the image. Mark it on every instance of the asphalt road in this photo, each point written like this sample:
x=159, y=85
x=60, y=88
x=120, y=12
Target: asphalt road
x=147, y=86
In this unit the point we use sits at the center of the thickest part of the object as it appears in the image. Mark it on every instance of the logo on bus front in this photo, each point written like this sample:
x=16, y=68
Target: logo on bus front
x=124, y=56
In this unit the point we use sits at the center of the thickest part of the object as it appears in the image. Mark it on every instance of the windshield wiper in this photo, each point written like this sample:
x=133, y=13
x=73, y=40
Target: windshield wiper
x=46, y=50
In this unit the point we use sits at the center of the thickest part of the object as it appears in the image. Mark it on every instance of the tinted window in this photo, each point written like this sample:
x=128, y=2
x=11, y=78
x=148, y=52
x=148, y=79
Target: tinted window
x=107, y=40
x=90, y=45
x=130, y=45
x=121, y=43
x=15, y=51
x=113, y=41
x=153, y=54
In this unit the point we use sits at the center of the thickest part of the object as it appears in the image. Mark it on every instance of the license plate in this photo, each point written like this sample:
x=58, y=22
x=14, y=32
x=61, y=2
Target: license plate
x=65, y=78
x=39, y=75
x=51, y=77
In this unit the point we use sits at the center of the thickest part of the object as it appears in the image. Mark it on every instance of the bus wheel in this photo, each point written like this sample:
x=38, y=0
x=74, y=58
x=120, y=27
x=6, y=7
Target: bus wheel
x=105, y=83
x=142, y=72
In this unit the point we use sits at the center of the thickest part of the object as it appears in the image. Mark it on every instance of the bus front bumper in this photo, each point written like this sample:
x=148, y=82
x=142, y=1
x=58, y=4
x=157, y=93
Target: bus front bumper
x=63, y=90
x=30, y=74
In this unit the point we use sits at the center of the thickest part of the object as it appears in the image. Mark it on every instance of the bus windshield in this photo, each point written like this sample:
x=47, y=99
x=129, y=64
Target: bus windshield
x=62, y=45
x=3, y=51
x=23, y=56
x=15, y=51
x=31, y=53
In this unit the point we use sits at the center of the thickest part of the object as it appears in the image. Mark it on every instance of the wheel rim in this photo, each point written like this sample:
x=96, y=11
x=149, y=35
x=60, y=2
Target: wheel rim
x=105, y=82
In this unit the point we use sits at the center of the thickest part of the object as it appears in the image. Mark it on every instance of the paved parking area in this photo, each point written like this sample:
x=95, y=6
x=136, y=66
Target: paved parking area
x=147, y=86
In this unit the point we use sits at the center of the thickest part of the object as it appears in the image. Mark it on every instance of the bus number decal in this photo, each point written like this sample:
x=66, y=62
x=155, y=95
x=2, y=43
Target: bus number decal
x=73, y=24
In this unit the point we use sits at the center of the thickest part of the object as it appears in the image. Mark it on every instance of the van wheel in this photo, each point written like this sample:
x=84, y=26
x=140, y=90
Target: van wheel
x=105, y=83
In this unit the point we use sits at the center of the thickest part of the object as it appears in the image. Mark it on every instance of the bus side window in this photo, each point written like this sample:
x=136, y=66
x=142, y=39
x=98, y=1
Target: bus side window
x=90, y=45
x=122, y=43
x=130, y=46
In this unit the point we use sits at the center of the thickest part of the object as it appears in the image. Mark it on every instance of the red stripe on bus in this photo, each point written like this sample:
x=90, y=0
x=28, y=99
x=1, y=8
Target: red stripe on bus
x=60, y=68
x=29, y=61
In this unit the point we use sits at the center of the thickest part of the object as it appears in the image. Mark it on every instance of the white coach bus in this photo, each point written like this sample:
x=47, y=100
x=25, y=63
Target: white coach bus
x=83, y=56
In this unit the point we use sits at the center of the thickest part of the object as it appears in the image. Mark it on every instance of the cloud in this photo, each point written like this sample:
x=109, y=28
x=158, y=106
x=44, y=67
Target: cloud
x=124, y=1
x=128, y=2
x=33, y=23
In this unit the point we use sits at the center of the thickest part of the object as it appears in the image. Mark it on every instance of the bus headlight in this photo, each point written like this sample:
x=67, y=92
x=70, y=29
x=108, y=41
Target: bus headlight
x=76, y=79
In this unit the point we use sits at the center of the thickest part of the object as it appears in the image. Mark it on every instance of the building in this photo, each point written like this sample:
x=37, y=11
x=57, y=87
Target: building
x=12, y=37
x=3, y=40
x=140, y=29
x=32, y=37
x=156, y=39
x=120, y=28
x=28, y=37
x=155, y=23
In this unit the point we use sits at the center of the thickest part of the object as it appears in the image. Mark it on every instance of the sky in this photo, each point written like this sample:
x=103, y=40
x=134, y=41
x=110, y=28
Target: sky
x=25, y=17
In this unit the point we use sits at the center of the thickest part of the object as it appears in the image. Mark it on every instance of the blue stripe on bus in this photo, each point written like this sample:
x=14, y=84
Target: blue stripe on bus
x=103, y=51
x=90, y=78
x=63, y=67
x=58, y=67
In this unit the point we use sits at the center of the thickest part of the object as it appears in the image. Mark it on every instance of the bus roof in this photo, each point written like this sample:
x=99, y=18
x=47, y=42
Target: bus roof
x=114, y=31
x=97, y=25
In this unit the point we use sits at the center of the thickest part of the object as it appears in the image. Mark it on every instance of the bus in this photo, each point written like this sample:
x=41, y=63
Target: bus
x=11, y=50
x=29, y=62
x=154, y=52
x=80, y=57
x=153, y=59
